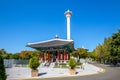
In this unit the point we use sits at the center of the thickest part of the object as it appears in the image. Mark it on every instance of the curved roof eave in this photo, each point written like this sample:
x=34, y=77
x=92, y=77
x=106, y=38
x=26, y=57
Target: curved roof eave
x=49, y=41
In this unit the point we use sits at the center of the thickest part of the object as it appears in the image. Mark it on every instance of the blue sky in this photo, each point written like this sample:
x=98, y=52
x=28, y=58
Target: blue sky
x=23, y=21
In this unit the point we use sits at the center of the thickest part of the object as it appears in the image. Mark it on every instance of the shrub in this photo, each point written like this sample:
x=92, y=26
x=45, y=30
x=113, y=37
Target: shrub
x=2, y=70
x=62, y=64
x=72, y=63
x=78, y=63
x=34, y=63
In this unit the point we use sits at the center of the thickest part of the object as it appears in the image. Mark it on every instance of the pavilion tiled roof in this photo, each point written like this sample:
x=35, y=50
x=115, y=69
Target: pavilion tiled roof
x=50, y=43
x=53, y=43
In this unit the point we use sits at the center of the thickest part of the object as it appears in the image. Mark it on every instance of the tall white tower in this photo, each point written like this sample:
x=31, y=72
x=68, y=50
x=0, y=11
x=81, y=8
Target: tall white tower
x=68, y=14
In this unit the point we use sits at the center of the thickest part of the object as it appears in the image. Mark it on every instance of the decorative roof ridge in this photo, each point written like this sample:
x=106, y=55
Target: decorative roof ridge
x=49, y=41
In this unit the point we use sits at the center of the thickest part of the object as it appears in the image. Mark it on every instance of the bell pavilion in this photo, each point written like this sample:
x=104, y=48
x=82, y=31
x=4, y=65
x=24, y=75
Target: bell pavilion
x=56, y=49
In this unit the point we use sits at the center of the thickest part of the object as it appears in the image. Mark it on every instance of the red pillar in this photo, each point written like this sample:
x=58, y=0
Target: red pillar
x=58, y=55
x=43, y=57
x=48, y=56
x=61, y=56
x=65, y=57
x=68, y=55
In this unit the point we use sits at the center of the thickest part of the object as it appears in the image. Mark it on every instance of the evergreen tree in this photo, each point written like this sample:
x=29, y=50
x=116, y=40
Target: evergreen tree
x=2, y=69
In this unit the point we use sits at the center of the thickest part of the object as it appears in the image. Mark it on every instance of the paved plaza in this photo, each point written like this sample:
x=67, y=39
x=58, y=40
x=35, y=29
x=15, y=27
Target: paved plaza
x=111, y=73
x=25, y=72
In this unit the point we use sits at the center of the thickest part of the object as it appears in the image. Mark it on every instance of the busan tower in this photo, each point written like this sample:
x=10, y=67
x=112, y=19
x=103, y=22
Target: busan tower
x=68, y=14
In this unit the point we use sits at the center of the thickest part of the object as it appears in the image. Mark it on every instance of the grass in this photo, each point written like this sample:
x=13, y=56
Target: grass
x=61, y=65
x=64, y=65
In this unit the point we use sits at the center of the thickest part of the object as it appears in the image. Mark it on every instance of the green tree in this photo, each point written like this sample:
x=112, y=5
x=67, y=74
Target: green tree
x=115, y=45
x=16, y=56
x=35, y=53
x=106, y=49
x=2, y=51
x=28, y=54
x=93, y=55
x=99, y=52
x=110, y=49
x=75, y=54
x=2, y=69
x=3, y=54
x=83, y=52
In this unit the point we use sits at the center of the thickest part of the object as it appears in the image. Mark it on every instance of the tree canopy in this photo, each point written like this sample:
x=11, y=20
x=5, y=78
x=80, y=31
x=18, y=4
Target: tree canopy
x=80, y=53
x=115, y=45
x=27, y=54
x=110, y=49
x=2, y=69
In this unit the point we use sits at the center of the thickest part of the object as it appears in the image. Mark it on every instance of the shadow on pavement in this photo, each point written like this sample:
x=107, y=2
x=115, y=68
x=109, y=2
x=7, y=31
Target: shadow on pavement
x=40, y=74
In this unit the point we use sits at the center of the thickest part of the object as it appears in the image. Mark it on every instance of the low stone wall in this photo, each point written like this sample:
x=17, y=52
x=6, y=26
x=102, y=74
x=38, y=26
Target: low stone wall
x=9, y=63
